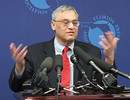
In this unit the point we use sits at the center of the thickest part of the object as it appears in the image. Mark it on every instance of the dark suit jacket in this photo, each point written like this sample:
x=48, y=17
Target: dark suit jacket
x=36, y=55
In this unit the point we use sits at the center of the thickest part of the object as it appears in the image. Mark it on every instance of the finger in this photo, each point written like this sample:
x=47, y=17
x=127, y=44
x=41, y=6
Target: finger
x=12, y=48
x=115, y=41
x=23, y=50
x=16, y=52
x=109, y=36
x=21, y=54
x=102, y=44
x=104, y=40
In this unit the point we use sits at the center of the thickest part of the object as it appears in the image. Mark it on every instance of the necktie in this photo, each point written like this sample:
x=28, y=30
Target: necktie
x=65, y=74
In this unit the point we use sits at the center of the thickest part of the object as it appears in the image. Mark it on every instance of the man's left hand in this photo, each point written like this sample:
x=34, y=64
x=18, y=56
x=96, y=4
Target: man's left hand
x=109, y=43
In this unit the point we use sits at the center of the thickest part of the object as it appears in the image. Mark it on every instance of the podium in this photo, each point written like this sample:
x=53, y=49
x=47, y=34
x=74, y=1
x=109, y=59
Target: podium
x=122, y=96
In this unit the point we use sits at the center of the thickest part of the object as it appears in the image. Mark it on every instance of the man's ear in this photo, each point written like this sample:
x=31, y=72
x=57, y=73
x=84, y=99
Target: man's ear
x=53, y=25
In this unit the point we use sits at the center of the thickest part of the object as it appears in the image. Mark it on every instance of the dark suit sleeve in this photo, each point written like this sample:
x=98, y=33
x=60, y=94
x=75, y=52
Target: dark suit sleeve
x=35, y=56
x=114, y=74
x=15, y=83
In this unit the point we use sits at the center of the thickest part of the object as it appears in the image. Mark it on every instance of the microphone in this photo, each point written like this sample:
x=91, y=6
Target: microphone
x=108, y=79
x=58, y=64
x=75, y=61
x=41, y=78
x=108, y=67
x=86, y=58
x=102, y=64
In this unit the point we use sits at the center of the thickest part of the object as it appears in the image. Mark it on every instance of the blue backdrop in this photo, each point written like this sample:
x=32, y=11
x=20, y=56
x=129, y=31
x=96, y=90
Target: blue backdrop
x=28, y=22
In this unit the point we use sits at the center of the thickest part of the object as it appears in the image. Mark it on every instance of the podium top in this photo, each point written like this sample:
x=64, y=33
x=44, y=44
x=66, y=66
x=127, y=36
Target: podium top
x=122, y=96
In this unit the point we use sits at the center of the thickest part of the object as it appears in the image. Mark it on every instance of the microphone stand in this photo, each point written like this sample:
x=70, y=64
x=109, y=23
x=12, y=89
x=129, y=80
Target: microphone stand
x=74, y=59
x=53, y=89
x=58, y=85
x=108, y=80
x=72, y=91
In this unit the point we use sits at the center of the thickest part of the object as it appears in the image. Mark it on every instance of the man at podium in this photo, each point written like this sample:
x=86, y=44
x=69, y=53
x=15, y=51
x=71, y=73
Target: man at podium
x=65, y=24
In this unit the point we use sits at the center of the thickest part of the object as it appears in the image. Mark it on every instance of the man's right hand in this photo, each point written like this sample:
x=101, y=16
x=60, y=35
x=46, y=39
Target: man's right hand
x=18, y=56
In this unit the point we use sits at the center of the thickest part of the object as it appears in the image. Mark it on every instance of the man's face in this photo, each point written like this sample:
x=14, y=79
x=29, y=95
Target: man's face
x=65, y=33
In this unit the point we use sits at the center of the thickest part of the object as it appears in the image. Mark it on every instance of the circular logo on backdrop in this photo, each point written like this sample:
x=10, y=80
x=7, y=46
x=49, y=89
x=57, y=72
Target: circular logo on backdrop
x=42, y=6
x=100, y=25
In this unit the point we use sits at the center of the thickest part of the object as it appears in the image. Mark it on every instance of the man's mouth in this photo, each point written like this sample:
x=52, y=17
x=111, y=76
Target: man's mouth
x=71, y=32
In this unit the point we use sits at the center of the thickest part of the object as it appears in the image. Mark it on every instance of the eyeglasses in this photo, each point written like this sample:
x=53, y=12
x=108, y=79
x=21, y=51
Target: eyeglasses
x=67, y=22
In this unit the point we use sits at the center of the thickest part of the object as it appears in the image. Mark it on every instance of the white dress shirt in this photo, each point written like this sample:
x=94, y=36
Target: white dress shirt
x=58, y=50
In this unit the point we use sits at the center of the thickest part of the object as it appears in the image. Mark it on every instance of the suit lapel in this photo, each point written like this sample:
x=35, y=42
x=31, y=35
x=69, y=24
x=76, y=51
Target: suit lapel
x=49, y=49
x=50, y=52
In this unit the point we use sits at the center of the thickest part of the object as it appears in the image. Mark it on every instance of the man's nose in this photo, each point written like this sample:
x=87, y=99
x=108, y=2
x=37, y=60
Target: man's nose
x=71, y=26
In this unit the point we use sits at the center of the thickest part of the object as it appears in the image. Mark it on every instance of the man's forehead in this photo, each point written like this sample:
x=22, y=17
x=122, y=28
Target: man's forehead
x=67, y=15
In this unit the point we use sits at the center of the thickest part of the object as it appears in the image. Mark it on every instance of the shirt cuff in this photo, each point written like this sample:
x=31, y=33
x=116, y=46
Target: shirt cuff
x=17, y=74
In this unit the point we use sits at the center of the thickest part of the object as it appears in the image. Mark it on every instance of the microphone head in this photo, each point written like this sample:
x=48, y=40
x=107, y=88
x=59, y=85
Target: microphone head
x=87, y=58
x=58, y=62
x=47, y=63
x=74, y=59
x=102, y=64
x=82, y=54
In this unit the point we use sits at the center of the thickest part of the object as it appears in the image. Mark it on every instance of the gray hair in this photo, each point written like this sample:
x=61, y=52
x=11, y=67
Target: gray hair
x=62, y=9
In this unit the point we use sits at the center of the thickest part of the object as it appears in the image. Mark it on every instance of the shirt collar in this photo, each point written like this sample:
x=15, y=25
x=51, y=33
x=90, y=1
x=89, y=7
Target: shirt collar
x=59, y=47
